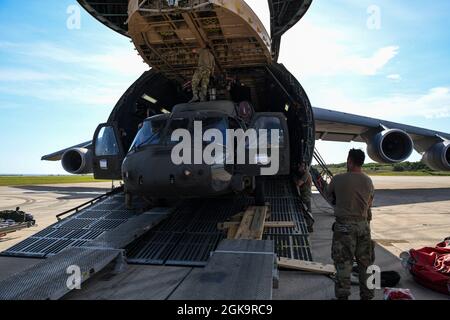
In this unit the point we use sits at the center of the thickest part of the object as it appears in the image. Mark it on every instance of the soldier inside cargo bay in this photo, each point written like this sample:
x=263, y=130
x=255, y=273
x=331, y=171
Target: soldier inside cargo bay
x=303, y=181
x=203, y=73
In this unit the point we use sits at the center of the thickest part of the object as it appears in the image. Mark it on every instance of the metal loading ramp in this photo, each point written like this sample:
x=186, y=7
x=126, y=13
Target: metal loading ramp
x=48, y=279
x=185, y=235
x=79, y=229
x=186, y=238
x=237, y=270
x=189, y=236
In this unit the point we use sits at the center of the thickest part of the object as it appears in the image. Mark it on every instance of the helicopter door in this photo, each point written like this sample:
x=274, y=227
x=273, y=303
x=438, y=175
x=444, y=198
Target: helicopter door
x=108, y=152
x=269, y=126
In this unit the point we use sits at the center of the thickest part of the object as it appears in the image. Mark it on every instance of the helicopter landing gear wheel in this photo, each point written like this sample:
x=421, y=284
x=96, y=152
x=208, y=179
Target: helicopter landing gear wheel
x=129, y=200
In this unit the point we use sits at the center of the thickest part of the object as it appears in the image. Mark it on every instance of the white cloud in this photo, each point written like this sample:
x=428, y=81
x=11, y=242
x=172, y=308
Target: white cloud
x=370, y=66
x=94, y=79
x=101, y=94
x=261, y=8
x=318, y=50
x=329, y=52
x=16, y=75
x=394, y=77
x=123, y=60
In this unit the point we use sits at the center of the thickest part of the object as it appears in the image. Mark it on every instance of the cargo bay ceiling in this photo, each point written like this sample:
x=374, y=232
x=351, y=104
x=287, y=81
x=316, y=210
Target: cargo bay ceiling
x=284, y=14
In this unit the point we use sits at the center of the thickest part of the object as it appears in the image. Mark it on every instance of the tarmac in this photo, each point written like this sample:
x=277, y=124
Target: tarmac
x=44, y=202
x=409, y=212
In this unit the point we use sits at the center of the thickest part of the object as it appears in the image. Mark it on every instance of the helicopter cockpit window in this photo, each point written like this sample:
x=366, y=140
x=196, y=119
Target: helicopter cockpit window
x=106, y=142
x=176, y=123
x=270, y=124
x=150, y=133
x=218, y=123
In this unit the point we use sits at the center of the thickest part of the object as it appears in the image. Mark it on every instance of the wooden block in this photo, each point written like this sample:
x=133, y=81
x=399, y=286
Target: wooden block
x=259, y=219
x=279, y=224
x=269, y=211
x=243, y=231
x=252, y=225
x=232, y=231
x=237, y=217
x=314, y=267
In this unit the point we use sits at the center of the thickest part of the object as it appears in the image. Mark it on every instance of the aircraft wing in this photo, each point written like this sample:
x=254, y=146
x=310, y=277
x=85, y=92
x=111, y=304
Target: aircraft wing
x=340, y=126
x=56, y=156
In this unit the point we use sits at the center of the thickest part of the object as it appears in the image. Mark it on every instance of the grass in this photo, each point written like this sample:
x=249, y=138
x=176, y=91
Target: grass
x=409, y=173
x=414, y=169
x=32, y=180
x=390, y=173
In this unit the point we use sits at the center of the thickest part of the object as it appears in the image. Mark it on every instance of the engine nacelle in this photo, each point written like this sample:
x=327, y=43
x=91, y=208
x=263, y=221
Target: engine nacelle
x=390, y=146
x=438, y=156
x=77, y=161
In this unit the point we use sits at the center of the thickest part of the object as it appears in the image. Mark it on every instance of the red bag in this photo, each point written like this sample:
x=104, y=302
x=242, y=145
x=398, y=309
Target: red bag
x=431, y=267
x=397, y=294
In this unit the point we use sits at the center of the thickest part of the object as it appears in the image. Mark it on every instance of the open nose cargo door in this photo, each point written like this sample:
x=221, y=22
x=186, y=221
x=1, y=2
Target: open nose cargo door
x=284, y=14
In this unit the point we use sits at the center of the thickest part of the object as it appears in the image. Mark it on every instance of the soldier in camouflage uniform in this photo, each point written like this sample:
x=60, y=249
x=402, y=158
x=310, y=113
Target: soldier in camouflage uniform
x=352, y=193
x=202, y=75
x=303, y=181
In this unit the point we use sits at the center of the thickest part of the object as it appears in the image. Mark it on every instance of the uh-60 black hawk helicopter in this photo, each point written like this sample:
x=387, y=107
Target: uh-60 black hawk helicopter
x=250, y=90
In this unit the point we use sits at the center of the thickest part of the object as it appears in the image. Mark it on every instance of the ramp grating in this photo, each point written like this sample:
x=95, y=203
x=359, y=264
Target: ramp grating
x=76, y=230
x=186, y=237
x=190, y=234
x=47, y=280
x=291, y=246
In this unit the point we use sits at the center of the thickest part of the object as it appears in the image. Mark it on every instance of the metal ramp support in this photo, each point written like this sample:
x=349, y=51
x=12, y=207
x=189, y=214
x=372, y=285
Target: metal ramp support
x=322, y=176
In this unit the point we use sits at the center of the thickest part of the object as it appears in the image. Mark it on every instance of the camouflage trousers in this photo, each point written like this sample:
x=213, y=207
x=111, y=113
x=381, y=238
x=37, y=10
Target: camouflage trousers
x=305, y=196
x=352, y=240
x=201, y=76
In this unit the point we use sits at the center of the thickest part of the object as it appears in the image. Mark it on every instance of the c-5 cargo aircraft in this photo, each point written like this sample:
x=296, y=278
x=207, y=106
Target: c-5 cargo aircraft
x=248, y=89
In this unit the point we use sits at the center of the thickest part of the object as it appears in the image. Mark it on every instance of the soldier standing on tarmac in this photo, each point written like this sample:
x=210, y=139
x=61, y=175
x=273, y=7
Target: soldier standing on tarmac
x=353, y=193
x=303, y=181
x=202, y=75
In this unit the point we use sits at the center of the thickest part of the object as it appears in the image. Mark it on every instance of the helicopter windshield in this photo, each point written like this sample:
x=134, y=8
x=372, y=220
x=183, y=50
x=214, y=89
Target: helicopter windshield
x=158, y=131
x=218, y=123
x=150, y=133
x=175, y=124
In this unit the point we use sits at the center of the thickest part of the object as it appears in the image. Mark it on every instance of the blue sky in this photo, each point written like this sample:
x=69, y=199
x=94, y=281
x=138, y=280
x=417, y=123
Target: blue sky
x=57, y=84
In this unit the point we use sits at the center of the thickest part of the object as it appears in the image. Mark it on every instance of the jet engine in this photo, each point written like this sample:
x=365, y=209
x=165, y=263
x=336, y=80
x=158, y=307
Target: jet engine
x=77, y=161
x=390, y=146
x=438, y=156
